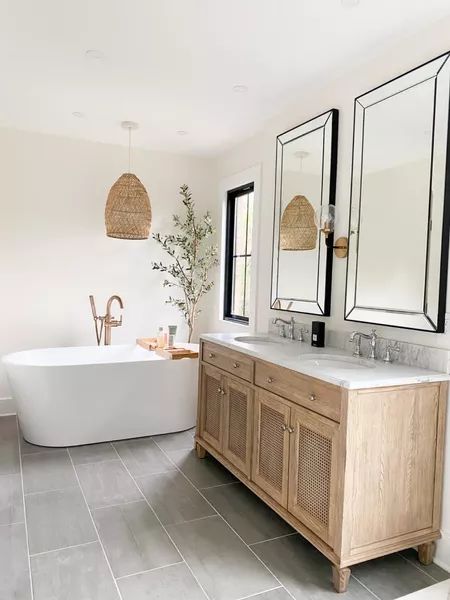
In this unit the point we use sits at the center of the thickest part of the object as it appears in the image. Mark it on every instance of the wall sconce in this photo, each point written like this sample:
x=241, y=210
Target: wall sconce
x=325, y=219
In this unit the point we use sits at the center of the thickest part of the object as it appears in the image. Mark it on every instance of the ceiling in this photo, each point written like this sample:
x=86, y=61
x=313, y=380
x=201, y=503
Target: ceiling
x=171, y=64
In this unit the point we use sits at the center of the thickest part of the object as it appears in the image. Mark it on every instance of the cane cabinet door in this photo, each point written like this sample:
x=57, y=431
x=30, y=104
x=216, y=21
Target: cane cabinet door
x=313, y=470
x=211, y=410
x=238, y=411
x=271, y=445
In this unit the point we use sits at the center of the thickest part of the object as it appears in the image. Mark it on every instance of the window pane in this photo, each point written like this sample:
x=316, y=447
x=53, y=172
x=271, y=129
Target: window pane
x=249, y=223
x=238, y=297
x=240, y=225
x=248, y=271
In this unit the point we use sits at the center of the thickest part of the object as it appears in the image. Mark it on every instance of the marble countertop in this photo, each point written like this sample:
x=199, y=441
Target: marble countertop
x=328, y=364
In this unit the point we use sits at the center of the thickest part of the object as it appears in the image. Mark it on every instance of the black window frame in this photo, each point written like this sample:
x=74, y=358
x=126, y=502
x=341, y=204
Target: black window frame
x=232, y=196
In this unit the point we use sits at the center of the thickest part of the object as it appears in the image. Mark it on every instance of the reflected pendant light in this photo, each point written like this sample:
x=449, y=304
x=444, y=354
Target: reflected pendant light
x=128, y=214
x=298, y=230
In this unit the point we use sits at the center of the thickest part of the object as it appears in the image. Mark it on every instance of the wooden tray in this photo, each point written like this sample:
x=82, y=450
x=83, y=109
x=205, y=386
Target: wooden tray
x=147, y=343
x=176, y=353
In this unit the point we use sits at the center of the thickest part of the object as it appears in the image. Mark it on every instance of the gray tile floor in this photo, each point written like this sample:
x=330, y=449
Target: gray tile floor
x=146, y=520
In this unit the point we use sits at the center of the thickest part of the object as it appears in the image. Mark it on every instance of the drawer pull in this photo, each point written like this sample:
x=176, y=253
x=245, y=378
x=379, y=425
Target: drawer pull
x=269, y=380
x=284, y=427
x=312, y=397
x=212, y=355
x=236, y=365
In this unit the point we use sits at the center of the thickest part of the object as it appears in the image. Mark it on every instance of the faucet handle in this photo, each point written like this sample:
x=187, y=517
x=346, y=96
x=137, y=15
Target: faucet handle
x=301, y=332
x=390, y=350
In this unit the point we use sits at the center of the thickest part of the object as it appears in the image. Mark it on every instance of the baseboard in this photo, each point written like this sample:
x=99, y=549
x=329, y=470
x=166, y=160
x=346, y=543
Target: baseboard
x=442, y=558
x=7, y=407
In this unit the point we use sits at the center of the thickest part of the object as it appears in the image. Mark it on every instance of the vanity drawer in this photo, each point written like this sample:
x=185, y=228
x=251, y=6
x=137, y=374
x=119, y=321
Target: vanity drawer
x=311, y=393
x=240, y=365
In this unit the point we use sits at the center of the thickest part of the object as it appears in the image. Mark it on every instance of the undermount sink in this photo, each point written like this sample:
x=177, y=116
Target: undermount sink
x=333, y=361
x=255, y=339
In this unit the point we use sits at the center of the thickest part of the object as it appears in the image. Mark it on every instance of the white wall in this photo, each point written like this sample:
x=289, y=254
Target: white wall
x=53, y=247
x=260, y=149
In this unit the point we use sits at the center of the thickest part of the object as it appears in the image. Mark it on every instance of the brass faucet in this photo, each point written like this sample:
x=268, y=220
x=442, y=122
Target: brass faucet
x=107, y=321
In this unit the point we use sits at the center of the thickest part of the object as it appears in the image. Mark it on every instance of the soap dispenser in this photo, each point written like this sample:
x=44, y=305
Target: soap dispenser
x=318, y=334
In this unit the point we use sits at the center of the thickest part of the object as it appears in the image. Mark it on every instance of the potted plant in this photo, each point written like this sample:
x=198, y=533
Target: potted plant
x=192, y=257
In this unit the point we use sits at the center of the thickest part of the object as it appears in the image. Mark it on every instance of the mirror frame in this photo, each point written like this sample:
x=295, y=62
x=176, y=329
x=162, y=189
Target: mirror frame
x=433, y=319
x=329, y=122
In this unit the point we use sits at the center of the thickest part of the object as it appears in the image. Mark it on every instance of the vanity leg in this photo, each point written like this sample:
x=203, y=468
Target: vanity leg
x=201, y=452
x=340, y=578
x=426, y=552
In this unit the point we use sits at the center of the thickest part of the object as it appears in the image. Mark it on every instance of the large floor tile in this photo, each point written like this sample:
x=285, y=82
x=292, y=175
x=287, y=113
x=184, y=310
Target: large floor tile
x=253, y=520
x=133, y=539
x=173, y=498
x=204, y=472
x=433, y=570
x=303, y=570
x=278, y=594
x=14, y=574
x=58, y=519
x=73, y=574
x=170, y=583
x=47, y=471
x=92, y=453
x=9, y=446
x=391, y=577
x=11, y=502
x=107, y=483
x=181, y=440
x=143, y=457
x=222, y=563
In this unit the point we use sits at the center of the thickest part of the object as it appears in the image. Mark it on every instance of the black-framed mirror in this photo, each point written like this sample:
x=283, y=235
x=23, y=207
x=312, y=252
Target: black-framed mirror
x=305, y=185
x=399, y=215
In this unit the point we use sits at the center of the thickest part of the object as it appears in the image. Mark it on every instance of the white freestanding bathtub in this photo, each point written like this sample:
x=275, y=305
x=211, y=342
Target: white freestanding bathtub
x=84, y=395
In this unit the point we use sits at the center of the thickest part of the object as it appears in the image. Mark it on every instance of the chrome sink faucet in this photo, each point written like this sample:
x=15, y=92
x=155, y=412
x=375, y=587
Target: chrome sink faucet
x=107, y=321
x=356, y=337
x=291, y=328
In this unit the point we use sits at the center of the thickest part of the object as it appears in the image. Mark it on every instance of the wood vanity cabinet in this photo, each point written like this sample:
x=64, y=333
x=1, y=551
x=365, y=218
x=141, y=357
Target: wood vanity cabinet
x=357, y=472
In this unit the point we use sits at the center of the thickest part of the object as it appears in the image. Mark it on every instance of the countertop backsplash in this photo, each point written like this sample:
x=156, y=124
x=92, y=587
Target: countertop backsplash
x=414, y=355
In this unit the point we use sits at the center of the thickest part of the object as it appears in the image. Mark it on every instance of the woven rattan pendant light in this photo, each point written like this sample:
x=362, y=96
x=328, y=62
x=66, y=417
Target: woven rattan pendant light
x=298, y=230
x=128, y=214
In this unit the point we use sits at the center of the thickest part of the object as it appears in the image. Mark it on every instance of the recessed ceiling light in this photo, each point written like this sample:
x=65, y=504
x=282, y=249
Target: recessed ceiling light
x=350, y=3
x=77, y=114
x=94, y=54
x=182, y=132
x=240, y=89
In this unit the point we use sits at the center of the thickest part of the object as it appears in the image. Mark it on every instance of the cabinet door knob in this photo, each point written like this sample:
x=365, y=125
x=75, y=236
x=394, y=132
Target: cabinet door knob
x=284, y=427
x=270, y=380
x=312, y=397
x=236, y=365
x=219, y=389
x=222, y=391
x=211, y=355
x=291, y=430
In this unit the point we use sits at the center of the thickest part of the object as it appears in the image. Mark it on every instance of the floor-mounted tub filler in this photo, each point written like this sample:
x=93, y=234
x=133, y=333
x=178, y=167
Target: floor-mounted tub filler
x=85, y=395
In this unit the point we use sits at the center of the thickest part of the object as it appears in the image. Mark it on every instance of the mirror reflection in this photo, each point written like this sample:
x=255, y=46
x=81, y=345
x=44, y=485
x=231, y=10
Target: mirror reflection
x=396, y=218
x=306, y=157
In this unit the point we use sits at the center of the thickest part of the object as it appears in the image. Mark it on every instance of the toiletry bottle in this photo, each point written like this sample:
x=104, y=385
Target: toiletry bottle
x=318, y=334
x=160, y=338
x=172, y=334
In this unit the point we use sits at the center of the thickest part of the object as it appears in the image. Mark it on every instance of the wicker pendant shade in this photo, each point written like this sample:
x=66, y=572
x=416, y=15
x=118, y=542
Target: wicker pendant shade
x=128, y=214
x=298, y=230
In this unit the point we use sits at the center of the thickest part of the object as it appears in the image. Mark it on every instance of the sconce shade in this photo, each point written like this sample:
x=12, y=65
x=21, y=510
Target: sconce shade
x=298, y=230
x=128, y=214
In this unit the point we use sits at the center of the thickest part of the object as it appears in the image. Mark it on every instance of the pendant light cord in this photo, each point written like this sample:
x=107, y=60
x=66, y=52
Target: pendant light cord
x=129, y=150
